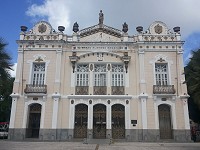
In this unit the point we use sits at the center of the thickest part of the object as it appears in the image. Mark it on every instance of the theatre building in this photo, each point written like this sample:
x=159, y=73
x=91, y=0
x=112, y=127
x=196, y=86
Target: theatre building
x=100, y=83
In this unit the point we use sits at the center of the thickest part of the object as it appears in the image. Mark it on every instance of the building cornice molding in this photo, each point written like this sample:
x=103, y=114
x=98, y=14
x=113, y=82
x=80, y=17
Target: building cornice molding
x=99, y=96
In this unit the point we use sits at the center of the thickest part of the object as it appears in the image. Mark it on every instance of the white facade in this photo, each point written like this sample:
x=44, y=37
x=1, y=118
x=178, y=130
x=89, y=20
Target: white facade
x=100, y=82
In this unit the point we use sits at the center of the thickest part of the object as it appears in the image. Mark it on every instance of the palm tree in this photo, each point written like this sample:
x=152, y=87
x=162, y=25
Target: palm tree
x=192, y=72
x=5, y=82
x=5, y=62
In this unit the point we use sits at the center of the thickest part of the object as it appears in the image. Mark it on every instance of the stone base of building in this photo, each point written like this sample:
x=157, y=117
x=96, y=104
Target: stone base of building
x=148, y=135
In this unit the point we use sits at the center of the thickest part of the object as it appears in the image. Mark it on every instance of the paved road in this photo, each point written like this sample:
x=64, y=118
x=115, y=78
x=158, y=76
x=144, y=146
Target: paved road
x=12, y=145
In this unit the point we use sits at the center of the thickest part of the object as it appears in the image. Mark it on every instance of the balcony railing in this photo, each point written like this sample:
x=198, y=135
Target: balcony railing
x=100, y=90
x=117, y=90
x=82, y=90
x=30, y=88
x=163, y=89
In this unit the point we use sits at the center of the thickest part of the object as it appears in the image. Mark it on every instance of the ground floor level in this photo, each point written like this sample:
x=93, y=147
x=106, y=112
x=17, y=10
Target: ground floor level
x=150, y=135
x=107, y=118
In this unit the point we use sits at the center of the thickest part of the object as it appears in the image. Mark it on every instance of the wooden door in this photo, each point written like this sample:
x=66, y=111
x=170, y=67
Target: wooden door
x=165, y=121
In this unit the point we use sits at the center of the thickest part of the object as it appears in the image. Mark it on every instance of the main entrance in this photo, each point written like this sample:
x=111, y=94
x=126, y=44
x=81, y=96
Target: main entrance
x=34, y=121
x=165, y=121
x=99, y=121
x=81, y=117
x=118, y=121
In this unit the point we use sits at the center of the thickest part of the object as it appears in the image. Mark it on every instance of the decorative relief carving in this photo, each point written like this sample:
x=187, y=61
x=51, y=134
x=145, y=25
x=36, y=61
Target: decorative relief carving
x=42, y=28
x=158, y=29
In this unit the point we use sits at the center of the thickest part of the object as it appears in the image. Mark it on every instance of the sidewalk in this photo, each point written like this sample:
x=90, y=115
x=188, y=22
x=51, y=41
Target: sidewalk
x=13, y=145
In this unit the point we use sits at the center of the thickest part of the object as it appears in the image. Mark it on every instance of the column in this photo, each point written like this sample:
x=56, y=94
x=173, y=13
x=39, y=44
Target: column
x=18, y=78
x=13, y=109
x=127, y=120
x=144, y=112
x=109, y=84
x=56, y=98
x=142, y=72
x=58, y=71
x=90, y=120
x=127, y=114
x=108, y=121
x=186, y=114
x=91, y=68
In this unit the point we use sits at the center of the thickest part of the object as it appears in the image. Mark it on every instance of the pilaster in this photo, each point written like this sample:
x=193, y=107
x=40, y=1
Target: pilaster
x=15, y=97
x=56, y=98
x=184, y=99
x=58, y=71
x=142, y=72
x=143, y=97
x=90, y=116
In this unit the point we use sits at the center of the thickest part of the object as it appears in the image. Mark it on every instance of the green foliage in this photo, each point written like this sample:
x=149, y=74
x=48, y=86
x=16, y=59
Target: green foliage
x=192, y=72
x=5, y=104
x=5, y=61
x=6, y=82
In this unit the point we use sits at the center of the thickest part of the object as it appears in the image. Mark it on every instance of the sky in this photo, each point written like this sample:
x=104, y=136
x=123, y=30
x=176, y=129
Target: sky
x=182, y=13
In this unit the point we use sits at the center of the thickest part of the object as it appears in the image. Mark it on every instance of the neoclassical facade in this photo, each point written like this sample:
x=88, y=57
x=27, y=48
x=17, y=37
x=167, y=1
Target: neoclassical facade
x=100, y=83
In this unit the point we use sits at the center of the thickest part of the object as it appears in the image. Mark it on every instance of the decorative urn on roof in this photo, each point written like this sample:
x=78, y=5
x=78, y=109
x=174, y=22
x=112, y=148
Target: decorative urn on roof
x=75, y=27
x=125, y=27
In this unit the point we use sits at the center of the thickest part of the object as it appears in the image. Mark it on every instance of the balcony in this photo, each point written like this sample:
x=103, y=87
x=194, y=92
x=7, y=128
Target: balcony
x=30, y=88
x=163, y=89
x=117, y=90
x=100, y=90
x=82, y=90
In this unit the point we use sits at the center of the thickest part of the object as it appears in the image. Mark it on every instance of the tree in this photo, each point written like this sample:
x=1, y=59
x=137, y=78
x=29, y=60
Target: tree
x=5, y=61
x=192, y=73
x=6, y=82
x=6, y=100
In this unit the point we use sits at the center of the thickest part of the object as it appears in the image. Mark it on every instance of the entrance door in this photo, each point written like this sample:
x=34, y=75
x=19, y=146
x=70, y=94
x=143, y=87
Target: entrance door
x=118, y=121
x=34, y=121
x=165, y=121
x=81, y=118
x=99, y=121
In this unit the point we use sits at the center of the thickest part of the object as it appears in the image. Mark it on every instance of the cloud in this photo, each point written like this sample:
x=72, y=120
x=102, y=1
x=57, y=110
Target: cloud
x=13, y=72
x=54, y=11
x=183, y=13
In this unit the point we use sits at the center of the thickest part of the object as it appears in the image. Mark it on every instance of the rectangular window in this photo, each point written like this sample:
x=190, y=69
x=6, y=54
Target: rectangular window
x=117, y=75
x=82, y=74
x=38, y=74
x=100, y=75
x=161, y=74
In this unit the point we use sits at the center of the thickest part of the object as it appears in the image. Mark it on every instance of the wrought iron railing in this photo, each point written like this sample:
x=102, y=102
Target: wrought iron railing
x=117, y=90
x=82, y=90
x=30, y=88
x=100, y=90
x=163, y=89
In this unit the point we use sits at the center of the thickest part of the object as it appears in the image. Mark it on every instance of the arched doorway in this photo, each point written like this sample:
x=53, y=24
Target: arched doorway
x=118, y=121
x=81, y=118
x=34, y=121
x=165, y=121
x=99, y=121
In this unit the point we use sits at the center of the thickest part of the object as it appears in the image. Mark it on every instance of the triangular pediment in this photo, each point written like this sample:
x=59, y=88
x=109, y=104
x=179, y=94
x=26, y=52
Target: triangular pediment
x=100, y=33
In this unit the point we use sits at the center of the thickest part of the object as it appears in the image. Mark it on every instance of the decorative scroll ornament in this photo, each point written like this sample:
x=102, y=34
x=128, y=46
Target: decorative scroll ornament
x=158, y=29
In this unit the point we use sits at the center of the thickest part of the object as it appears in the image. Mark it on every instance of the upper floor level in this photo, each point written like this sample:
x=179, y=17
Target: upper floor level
x=100, y=60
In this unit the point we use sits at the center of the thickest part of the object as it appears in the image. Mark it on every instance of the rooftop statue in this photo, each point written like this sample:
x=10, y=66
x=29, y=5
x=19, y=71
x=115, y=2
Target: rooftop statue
x=101, y=17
